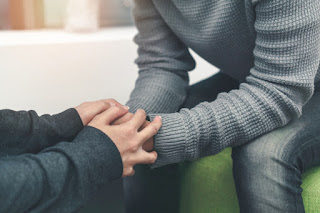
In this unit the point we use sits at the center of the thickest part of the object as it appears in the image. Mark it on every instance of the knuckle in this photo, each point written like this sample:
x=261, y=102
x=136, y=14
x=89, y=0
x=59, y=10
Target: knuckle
x=153, y=160
x=133, y=147
x=102, y=102
x=117, y=109
x=112, y=101
x=129, y=130
x=142, y=112
x=155, y=157
x=129, y=171
x=154, y=129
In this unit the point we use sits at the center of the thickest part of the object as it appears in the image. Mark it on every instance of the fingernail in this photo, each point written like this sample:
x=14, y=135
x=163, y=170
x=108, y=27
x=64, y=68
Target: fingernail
x=112, y=104
x=159, y=117
x=126, y=107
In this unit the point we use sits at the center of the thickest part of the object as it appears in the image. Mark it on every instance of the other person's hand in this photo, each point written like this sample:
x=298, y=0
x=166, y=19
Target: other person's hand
x=88, y=110
x=149, y=144
x=127, y=137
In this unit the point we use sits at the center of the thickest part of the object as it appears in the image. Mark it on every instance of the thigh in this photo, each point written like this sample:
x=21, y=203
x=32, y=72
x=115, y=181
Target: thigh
x=157, y=190
x=267, y=170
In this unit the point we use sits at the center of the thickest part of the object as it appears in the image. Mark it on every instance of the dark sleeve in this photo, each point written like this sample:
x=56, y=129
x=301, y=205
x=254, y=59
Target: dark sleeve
x=26, y=132
x=61, y=178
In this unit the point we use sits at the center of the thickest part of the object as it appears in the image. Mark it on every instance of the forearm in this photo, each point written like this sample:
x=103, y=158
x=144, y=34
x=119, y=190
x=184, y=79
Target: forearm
x=158, y=92
x=287, y=56
x=61, y=178
x=163, y=62
x=233, y=119
x=26, y=132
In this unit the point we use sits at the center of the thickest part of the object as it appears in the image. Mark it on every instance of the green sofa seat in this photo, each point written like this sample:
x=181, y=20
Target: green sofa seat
x=207, y=186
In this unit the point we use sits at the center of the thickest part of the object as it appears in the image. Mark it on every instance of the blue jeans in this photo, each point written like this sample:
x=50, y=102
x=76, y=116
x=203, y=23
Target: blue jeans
x=267, y=171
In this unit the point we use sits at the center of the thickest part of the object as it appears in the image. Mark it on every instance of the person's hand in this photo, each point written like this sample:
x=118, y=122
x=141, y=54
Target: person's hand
x=127, y=117
x=88, y=110
x=127, y=137
x=149, y=144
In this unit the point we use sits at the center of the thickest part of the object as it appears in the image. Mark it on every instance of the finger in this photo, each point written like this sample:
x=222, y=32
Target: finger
x=144, y=125
x=111, y=114
x=128, y=172
x=113, y=102
x=151, y=129
x=101, y=106
x=144, y=157
x=138, y=119
x=123, y=119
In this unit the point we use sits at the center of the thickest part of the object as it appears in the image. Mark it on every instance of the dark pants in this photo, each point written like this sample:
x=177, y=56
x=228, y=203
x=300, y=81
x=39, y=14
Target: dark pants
x=267, y=170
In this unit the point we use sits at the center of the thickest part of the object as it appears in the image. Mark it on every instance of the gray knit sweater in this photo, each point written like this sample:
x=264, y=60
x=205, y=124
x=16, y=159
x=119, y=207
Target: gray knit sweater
x=271, y=46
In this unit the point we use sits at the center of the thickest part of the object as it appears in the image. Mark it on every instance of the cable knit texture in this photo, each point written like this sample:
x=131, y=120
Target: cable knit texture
x=271, y=46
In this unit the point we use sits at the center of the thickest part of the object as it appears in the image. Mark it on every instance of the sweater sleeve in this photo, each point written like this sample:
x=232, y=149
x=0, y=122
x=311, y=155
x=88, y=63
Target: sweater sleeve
x=26, y=132
x=60, y=178
x=287, y=52
x=163, y=63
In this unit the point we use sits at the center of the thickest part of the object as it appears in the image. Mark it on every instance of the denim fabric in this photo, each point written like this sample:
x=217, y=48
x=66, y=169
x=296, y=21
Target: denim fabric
x=267, y=171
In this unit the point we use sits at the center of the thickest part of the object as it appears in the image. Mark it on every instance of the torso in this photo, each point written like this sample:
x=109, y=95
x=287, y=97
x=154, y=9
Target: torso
x=222, y=32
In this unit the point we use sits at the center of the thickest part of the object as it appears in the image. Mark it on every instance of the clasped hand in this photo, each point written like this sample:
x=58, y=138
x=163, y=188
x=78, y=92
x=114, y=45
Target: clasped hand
x=131, y=133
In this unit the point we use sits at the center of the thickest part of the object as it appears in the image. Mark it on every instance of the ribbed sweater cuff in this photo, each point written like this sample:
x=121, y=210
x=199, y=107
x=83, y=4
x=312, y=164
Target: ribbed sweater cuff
x=158, y=92
x=170, y=142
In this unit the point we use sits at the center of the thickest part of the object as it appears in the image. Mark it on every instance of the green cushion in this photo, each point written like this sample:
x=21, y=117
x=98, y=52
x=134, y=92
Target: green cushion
x=311, y=190
x=209, y=187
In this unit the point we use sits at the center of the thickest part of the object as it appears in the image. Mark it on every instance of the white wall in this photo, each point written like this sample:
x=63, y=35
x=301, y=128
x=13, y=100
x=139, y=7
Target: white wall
x=50, y=71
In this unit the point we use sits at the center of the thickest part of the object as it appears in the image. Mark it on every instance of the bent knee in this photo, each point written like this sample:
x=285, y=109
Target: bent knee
x=265, y=151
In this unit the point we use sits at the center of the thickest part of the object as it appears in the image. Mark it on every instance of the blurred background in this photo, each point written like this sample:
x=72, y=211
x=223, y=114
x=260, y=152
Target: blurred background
x=39, y=14
x=56, y=54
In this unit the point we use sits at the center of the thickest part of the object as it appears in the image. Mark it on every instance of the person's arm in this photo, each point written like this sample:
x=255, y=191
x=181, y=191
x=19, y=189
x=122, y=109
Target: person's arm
x=26, y=132
x=163, y=63
x=287, y=56
x=64, y=177
x=60, y=178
